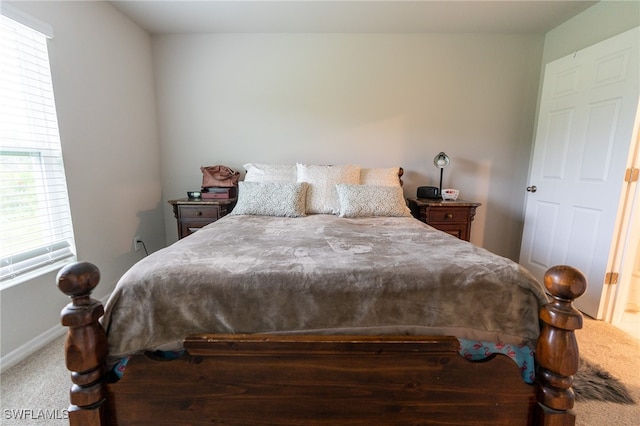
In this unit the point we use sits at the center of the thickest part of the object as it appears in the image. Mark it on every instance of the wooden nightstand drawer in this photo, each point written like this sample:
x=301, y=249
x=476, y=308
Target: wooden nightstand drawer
x=448, y=214
x=199, y=212
x=458, y=230
x=452, y=217
x=188, y=228
x=192, y=215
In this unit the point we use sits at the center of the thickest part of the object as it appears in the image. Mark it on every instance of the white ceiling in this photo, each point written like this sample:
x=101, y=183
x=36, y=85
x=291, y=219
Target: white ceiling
x=355, y=16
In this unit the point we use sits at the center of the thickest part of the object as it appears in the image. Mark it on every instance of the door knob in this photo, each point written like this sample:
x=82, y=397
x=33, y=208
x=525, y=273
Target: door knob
x=532, y=188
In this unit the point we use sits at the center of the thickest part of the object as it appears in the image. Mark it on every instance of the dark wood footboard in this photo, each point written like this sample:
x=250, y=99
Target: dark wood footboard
x=323, y=380
x=346, y=380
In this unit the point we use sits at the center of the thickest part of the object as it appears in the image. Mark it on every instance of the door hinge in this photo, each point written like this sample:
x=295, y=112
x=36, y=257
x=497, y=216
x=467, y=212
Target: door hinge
x=631, y=175
x=611, y=278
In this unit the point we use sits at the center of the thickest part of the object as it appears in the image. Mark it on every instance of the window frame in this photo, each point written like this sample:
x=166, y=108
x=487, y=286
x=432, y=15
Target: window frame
x=48, y=190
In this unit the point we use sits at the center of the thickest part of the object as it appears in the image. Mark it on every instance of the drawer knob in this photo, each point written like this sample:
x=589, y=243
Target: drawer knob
x=199, y=213
x=449, y=215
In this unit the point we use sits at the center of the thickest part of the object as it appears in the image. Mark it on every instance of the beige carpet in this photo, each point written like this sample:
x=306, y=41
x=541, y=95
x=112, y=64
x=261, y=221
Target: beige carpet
x=619, y=354
x=36, y=391
x=37, y=388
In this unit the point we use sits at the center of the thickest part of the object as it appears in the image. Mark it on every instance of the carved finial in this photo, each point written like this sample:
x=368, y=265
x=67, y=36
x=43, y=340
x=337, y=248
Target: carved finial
x=565, y=282
x=78, y=280
x=86, y=344
x=557, y=349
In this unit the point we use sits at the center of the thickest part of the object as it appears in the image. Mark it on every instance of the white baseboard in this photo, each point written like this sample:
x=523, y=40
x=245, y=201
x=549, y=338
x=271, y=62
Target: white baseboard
x=34, y=345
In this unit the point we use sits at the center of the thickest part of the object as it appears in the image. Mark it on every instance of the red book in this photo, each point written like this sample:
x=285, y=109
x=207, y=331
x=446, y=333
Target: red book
x=218, y=195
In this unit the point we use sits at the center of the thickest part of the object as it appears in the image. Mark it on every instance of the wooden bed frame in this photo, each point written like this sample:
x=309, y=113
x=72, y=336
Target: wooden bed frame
x=322, y=380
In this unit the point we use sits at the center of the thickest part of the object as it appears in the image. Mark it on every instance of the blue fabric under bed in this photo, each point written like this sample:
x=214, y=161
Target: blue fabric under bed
x=472, y=350
x=522, y=355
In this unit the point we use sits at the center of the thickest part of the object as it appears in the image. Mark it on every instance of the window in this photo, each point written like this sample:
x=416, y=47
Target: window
x=37, y=233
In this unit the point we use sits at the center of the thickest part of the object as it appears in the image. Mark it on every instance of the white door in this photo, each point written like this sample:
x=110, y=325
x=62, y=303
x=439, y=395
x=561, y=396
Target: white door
x=585, y=125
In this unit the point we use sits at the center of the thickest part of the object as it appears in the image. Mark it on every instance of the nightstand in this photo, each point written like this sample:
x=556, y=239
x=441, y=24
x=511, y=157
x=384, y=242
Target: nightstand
x=452, y=217
x=194, y=214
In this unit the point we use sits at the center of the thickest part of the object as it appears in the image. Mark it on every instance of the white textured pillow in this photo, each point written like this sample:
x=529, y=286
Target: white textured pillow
x=380, y=177
x=258, y=172
x=369, y=200
x=321, y=195
x=271, y=199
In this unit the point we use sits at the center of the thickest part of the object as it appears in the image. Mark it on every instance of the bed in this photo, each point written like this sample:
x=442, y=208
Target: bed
x=320, y=300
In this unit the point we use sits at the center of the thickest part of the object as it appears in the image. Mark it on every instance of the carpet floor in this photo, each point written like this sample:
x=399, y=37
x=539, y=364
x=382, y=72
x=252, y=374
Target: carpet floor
x=619, y=354
x=36, y=391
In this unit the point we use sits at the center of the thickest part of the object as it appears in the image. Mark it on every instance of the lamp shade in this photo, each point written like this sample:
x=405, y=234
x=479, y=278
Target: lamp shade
x=441, y=160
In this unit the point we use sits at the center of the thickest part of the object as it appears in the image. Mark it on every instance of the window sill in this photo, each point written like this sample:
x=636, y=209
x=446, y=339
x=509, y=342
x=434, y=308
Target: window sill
x=36, y=273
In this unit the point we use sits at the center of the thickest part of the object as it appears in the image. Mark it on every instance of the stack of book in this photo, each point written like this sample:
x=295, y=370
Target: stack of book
x=218, y=192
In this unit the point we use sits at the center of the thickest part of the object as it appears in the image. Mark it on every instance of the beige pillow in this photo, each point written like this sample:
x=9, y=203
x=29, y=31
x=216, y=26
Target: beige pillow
x=321, y=195
x=259, y=172
x=380, y=177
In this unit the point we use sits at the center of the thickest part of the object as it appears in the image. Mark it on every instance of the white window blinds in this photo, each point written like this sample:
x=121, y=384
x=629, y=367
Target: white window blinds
x=37, y=233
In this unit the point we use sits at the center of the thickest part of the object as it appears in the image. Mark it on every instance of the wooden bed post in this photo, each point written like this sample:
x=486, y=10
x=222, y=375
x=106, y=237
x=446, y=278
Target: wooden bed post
x=557, y=349
x=86, y=344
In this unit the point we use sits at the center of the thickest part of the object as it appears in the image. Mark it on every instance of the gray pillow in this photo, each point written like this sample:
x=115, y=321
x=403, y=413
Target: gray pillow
x=371, y=200
x=271, y=199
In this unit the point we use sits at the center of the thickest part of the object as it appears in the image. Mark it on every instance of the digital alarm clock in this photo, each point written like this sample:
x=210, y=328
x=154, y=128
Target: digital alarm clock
x=430, y=192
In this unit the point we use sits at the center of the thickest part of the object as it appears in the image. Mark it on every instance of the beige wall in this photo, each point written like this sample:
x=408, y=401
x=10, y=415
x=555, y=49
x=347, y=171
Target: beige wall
x=102, y=77
x=600, y=22
x=373, y=100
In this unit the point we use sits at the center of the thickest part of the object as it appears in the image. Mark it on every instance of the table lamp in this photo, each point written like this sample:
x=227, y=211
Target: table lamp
x=441, y=161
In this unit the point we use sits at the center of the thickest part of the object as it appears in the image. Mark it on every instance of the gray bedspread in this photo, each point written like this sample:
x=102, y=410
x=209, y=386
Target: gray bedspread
x=321, y=274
